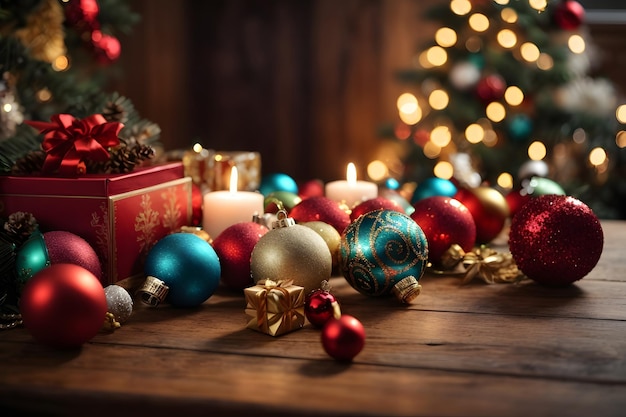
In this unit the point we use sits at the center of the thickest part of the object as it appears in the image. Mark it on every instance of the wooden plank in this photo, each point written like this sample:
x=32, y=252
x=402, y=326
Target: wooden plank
x=162, y=381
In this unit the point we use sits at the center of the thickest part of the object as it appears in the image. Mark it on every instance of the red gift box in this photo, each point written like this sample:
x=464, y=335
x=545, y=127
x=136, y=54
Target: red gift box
x=122, y=216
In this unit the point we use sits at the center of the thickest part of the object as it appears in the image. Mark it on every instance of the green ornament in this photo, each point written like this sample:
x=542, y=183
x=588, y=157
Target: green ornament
x=32, y=257
x=543, y=186
x=288, y=200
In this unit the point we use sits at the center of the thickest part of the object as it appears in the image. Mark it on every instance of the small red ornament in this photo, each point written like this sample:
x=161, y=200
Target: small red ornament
x=569, y=15
x=377, y=203
x=555, y=239
x=196, y=205
x=320, y=306
x=445, y=221
x=321, y=209
x=490, y=88
x=311, y=188
x=234, y=248
x=106, y=48
x=489, y=210
x=515, y=199
x=63, y=305
x=343, y=338
x=82, y=14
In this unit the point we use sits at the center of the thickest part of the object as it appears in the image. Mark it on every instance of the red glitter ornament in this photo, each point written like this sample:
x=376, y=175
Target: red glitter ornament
x=67, y=248
x=445, y=221
x=320, y=306
x=343, y=338
x=569, y=15
x=311, y=188
x=555, y=239
x=321, y=209
x=372, y=204
x=234, y=248
x=63, y=305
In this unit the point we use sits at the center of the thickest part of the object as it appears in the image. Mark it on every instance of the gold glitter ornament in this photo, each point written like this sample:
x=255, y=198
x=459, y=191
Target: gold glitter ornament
x=330, y=235
x=293, y=252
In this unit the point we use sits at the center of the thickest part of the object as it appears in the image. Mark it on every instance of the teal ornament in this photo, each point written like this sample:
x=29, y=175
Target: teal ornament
x=278, y=182
x=478, y=60
x=433, y=186
x=542, y=186
x=520, y=128
x=384, y=252
x=392, y=183
x=32, y=257
x=187, y=265
x=395, y=196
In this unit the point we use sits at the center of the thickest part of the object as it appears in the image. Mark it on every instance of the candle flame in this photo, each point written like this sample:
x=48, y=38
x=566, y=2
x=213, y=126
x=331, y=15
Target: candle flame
x=351, y=174
x=234, y=178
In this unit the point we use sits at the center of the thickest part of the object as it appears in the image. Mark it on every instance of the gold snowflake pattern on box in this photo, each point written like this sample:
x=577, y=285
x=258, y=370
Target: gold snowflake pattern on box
x=172, y=209
x=100, y=225
x=146, y=224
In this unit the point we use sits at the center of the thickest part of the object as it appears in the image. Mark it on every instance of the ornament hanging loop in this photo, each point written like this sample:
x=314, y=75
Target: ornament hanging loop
x=282, y=220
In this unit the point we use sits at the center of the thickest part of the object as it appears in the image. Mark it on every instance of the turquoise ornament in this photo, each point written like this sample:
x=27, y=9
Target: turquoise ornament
x=433, y=186
x=384, y=252
x=32, y=257
x=543, y=186
x=520, y=128
x=278, y=182
x=187, y=265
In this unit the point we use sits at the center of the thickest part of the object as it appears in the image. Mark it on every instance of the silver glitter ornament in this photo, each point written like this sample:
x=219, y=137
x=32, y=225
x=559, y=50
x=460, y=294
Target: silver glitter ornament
x=119, y=302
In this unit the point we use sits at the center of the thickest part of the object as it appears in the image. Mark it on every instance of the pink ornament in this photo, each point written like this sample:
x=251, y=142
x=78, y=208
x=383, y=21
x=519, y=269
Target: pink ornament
x=68, y=248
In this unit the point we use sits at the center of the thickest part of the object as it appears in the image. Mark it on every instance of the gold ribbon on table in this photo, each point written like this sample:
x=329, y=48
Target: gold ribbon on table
x=482, y=262
x=275, y=307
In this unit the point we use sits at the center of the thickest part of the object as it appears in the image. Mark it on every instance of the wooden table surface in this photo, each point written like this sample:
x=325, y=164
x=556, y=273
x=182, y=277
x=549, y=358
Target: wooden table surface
x=472, y=350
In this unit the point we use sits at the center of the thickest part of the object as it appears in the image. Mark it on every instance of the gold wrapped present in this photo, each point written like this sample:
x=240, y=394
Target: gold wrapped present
x=275, y=307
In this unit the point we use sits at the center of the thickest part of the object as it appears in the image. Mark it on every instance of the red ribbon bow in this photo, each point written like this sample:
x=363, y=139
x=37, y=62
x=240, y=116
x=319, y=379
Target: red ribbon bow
x=69, y=141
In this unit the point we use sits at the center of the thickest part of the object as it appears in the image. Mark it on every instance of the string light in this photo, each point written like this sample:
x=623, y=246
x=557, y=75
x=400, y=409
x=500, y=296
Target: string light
x=377, y=170
x=44, y=95
x=539, y=5
x=443, y=169
x=513, y=95
x=529, y=51
x=495, y=112
x=537, y=151
x=460, y=7
x=505, y=180
x=474, y=133
x=508, y=15
x=491, y=138
x=545, y=62
x=438, y=99
x=501, y=2
x=441, y=136
x=506, y=38
x=445, y=37
x=620, y=139
x=436, y=56
x=423, y=61
x=61, y=63
x=431, y=150
x=479, y=22
x=576, y=44
x=620, y=113
x=7, y=107
x=597, y=156
x=579, y=136
x=409, y=109
x=473, y=44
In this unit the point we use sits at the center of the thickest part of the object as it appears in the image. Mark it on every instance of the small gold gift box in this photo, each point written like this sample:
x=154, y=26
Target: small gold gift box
x=275, y=307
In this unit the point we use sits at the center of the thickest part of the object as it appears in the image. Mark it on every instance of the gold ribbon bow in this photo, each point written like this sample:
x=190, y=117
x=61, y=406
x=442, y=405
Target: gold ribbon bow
x=275, y=308
x=482, y=262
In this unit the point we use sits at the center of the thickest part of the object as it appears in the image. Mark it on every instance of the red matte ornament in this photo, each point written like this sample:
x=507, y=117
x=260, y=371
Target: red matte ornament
x=107, y=49
x=343, y=338
x=321, y=209
x=489, y=210
x=378, y=203
x=311, y=188
x=63, y=305
x=490, y=88
x=445, y=221
x=555, y=239
x=234, y=248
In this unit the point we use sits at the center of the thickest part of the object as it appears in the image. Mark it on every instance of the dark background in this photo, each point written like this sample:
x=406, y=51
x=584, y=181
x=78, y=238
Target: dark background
x=306, y=83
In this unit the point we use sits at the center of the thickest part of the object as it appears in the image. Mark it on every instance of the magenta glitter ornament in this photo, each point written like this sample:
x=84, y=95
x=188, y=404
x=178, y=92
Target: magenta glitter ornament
x=555, y=239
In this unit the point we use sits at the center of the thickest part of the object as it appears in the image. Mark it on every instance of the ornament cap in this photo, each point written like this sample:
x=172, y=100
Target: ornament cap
x=282, y=220
x=407, y=289
x=262, y=219
x=153, y=291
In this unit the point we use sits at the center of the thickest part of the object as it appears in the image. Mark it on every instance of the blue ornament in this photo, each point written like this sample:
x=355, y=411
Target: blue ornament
x=392, y=183
x=384, y=252
x=278, y=182
x=520, y=127
x=188, y=265
x=433, y=186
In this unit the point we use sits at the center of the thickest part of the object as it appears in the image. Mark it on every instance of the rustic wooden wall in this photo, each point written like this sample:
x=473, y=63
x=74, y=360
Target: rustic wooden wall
x=307, y=83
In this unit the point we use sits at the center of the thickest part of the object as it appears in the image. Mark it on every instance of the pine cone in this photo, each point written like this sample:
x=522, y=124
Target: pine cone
x=30, y=164
x=114, y=111
x=20, y=225
x=125, y=159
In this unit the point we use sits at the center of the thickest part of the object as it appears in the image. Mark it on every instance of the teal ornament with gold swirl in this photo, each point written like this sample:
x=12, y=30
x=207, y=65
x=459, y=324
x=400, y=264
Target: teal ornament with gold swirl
x=384, y=252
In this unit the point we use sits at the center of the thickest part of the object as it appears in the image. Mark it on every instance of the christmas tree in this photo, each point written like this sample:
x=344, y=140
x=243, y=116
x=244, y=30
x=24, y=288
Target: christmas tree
x=507, y=82
x=58, y=57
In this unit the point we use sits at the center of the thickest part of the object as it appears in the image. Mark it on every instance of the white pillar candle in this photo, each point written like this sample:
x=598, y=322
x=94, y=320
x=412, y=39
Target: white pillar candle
x=222, y=209
x=351, y=192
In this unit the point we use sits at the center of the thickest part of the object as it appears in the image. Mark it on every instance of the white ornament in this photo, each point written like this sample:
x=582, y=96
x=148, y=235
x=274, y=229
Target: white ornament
x=119, y=302
x=464, y=75
x=533, y=169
